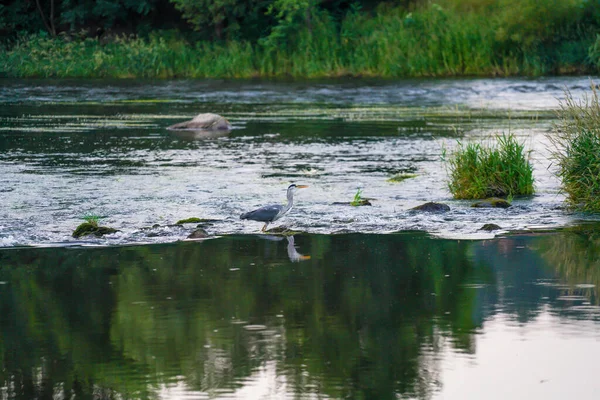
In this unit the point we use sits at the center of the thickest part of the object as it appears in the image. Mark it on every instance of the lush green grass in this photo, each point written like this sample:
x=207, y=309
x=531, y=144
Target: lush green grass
x=431, y=41
x=92, y=219
x=479, y=170
x=156, y=57
x=576, y=152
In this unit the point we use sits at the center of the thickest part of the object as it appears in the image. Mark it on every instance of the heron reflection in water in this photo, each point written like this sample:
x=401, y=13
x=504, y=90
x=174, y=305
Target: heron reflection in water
x=293, y=254
x=273, y=212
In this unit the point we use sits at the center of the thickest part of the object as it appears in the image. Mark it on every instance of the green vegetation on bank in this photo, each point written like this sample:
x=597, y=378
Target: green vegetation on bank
x=479, y=171
x=576, y=140
x=299, y=38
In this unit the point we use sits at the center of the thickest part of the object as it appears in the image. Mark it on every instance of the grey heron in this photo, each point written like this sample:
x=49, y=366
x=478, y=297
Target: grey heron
x=273, y=212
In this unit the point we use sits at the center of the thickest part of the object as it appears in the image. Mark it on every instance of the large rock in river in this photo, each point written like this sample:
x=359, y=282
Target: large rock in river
x=432, y=207
x=88, y=228
x=207, y=122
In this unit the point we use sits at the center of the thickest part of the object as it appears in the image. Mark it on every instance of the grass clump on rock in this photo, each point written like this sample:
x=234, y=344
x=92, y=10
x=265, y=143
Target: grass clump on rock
x=358, y=200
x=479, y=171
x=576, y=152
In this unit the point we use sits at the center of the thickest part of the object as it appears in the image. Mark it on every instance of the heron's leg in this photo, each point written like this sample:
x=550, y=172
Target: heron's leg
x=264, y=227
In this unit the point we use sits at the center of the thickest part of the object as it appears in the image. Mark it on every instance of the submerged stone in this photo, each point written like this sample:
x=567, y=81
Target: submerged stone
x=92, y=229
x=206, y=121
x=490, y=227
x=198, y=234
x=191, y=220
x=432, y=207
x=492, y=202
x=401, y=177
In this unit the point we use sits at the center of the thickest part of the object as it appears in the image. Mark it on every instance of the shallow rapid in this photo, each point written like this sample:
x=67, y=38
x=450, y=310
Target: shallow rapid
x=70, y=149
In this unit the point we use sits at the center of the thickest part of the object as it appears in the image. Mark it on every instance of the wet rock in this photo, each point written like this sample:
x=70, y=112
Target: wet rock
x=158, y=230
x=492, y=202
x=92, y=229
x=198, y=234
x=206, y=121
x=363, y=202
x=490, y=227
x=282, y=230
x=194, y=220
x=432, y=207
x=344, y=220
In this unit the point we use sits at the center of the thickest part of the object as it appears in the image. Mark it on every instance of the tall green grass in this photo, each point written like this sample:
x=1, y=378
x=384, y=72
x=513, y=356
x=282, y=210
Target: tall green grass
x=576, y=151
x=430, y=41
x=479, y=170
x=39, y=56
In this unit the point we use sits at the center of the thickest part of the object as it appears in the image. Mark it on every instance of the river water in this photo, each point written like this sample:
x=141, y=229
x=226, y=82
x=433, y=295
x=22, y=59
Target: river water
x=372, y=302
x=74, y=148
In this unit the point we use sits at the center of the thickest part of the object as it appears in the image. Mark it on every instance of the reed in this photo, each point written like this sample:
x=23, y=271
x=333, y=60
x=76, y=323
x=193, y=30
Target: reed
x=576, y=150
x=479, y=170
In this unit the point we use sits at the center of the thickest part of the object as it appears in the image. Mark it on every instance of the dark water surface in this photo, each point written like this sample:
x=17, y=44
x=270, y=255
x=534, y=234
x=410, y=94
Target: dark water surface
x=337, y=316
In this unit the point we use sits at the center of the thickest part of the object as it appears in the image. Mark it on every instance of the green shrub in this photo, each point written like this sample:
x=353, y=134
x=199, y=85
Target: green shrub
x=476, y=37
x=478, y=171
x=576, y=150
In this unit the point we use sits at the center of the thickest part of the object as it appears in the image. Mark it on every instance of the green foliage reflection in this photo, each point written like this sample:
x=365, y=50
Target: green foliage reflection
x=361, y=319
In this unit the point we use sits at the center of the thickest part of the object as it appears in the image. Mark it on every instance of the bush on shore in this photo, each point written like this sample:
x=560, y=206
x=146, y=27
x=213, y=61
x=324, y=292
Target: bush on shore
x=576, y=151
x=454, y=39
x=478, y=171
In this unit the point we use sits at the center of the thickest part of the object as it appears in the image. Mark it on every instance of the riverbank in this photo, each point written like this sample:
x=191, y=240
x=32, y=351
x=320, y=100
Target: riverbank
x=434, y=41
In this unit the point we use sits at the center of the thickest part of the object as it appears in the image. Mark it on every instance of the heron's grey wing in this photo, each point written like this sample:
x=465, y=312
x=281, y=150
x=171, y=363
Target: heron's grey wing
x=264, y=214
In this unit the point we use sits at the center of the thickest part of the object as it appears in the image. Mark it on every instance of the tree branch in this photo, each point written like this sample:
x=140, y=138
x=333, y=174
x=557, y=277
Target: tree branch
x=39, y=7
x=52, y=17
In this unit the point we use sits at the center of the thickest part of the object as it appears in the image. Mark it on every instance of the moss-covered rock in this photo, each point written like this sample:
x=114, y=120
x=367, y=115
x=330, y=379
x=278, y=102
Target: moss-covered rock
x=282, y=230
x=92, y=229
x=192, y=220
x=195, y=220
x=432, y=207
x=492, y=202
x=401, y=177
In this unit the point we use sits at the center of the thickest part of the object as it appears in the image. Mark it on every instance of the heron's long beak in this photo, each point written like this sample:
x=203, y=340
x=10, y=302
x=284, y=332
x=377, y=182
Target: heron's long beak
x=301, y=186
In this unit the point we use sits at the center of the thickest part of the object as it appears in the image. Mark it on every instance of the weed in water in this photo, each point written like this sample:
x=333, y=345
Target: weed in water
x=479, y=171
x=92, y=219
x=576, y=150
x=358, y=200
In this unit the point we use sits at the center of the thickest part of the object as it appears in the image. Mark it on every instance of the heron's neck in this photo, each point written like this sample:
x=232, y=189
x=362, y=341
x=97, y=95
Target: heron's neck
x=290, y=199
